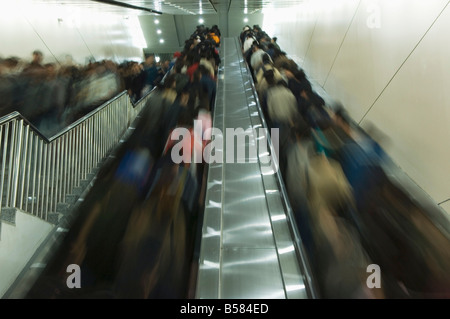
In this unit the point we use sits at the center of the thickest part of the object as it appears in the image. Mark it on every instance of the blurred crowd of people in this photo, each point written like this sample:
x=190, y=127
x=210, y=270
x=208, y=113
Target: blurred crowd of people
x=53, y=95
x=348, y=212
x=135, y=233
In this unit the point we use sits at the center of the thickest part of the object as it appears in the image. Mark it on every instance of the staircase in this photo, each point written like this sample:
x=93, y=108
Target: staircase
x=42, y=181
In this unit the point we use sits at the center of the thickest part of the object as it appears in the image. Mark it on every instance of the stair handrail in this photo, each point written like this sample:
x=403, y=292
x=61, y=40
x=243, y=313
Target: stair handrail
x=37, y=172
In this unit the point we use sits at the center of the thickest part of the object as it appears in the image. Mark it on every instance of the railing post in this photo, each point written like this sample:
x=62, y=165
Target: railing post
x=24, y=163
x=3, y=165
x=10, y=165
x=28, y=168
x=36, y=168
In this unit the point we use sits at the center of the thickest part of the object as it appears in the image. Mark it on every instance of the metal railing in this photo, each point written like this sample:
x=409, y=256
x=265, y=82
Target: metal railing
x=37, y=173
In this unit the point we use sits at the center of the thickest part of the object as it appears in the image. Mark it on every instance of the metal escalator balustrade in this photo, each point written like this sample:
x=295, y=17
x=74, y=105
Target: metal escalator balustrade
x=249, y=248
x=37, y=173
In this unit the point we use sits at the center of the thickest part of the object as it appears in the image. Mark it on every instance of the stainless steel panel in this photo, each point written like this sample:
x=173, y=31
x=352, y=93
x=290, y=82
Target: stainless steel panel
x=246, y=220
x=209, y=263
x=251, y=274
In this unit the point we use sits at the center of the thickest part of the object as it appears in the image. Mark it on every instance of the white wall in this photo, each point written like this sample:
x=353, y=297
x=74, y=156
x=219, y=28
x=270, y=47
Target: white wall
x=18, y=243
x=387, y=62
x=58, y=30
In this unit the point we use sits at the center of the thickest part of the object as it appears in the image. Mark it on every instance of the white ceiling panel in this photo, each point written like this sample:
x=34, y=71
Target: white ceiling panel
x=167, y=40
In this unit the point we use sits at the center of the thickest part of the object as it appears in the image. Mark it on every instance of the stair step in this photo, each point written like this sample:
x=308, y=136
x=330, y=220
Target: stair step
x=54, y=218
x=8, y=214
x=71, y=198
x=77, y=190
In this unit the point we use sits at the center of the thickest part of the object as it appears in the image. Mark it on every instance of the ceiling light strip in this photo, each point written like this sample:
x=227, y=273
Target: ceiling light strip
x=126, y=5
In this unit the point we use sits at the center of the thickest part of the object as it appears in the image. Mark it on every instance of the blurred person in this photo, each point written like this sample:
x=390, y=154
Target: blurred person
x=199, y=33
x=189, y=146
x=275, y=43
x=243, y=35
x=181, y=78
x=360, y=166
x=207, y=84
x=208, y=54
x=34, y=89
x=281, y=106
x=261, y=84
x=299, y=86
x=259, y=33
x=273, y=51
x=208, y=65
x=382, y=216
x=214, y=34
x=9, y=86
x=69, y=61
x=70, y=76
x=156, y=114
x=97, y=85
x=10, y=66
x=256, y=60
x=268, y=79
x=189, y=45
x=280, y=58
x=264, y=41
x=294, y=161
x=154, y=250
x=138, y=83
x=198, y=39
x=175, y=57
x=215, y=28
x=412, y=252
x=36, y=63
x=248, y=43
x=151, y=72
x=52, y=99
x=192, y=63
x=162, y=70
x=436, y=254
x=340, y=259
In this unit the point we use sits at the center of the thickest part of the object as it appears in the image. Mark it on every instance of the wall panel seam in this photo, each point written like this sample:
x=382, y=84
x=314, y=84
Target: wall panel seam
x=401, y=65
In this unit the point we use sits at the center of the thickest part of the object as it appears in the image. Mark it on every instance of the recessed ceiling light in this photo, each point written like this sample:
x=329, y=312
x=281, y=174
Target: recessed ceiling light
x=245, y=20
x=201, y=20
x=158, y=31
x=156, y=21
x=161, y=40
